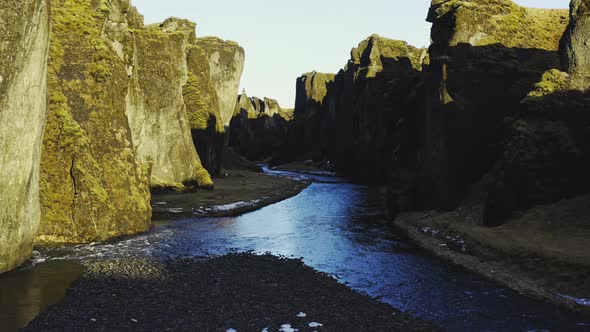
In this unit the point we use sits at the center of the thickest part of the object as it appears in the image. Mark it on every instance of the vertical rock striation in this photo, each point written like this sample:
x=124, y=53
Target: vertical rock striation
x=92, y=185
x=226, y=64
x=24, y=36
x=156, y=107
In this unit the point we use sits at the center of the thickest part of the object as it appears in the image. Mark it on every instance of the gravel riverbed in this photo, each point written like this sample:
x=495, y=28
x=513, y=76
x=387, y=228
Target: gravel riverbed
x=241, y=292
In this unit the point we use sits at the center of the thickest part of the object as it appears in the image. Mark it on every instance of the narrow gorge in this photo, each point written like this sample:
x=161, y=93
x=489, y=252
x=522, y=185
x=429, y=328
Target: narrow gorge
x=441, y=187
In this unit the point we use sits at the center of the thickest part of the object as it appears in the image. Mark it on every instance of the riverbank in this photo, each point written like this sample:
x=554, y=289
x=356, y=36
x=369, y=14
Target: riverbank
x=542, y=253
x=239, y=291
x=239, y=191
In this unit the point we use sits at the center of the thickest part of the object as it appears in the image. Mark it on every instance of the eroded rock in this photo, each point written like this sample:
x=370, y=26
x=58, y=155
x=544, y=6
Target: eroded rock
x=24, y=36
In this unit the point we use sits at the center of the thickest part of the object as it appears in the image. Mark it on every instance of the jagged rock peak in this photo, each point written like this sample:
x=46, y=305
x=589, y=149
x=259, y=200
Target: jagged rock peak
x=371, y=51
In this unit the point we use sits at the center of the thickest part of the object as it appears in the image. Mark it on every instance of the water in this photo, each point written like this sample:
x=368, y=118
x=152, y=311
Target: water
x=337, y=228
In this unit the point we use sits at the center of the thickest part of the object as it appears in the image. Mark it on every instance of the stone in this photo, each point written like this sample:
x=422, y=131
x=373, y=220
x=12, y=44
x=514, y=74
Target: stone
x=24, y=43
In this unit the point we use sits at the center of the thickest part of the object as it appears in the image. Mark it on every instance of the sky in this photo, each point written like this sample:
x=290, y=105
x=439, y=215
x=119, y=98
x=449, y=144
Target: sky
x=286, y=38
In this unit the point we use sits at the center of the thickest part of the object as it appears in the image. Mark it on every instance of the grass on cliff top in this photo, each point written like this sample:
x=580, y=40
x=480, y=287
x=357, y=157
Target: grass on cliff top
x=504, y=22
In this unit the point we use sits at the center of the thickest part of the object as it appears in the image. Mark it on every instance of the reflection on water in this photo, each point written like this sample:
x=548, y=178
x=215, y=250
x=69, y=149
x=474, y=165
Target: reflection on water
x=338, y=228
x=25, y=293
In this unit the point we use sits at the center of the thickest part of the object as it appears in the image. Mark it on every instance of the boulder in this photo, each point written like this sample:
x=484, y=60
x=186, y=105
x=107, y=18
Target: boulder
x=92, y=185
x=24, y=36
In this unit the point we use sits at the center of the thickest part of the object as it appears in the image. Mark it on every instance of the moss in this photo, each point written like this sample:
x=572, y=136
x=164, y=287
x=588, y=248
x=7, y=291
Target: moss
x=199, y=94
x=92, y=187
x=552, y=81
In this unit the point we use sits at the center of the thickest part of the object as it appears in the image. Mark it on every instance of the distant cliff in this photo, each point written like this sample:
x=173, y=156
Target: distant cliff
x=258, y=128
x=23, y=96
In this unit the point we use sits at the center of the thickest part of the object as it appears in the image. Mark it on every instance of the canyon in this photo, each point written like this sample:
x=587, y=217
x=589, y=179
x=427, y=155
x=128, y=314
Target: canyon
x=479, y=143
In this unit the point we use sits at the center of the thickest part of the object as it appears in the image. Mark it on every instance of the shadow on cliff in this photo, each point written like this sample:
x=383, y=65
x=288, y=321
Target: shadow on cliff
x=462, y=134
x=209, y=144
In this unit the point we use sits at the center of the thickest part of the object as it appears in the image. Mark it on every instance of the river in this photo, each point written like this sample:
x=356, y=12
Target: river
x=335, y=227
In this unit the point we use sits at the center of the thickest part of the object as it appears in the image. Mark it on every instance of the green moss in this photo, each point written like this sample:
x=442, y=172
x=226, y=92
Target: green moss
x=552, y=81
x=92, y=187
x=199, y=94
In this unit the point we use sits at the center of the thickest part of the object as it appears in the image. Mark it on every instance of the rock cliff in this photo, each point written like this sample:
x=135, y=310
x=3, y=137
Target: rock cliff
x=156, y=108
x=226, y=64
x=367, y=105
x=24, y=36
x=259, y=127
x=92, y=185
x=484, y=58
x=547, y=154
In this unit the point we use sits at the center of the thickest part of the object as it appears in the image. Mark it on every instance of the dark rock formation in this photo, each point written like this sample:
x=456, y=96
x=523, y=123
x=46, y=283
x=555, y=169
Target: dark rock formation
x=484, y=58
x=92, y=185
x=369, y=104
x=24, y=43
x=547, y=154
x=258, y=129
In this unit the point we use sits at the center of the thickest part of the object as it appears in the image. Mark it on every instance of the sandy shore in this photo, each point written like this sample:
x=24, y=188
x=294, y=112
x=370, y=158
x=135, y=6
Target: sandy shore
x=237, y=192
x=241, y=291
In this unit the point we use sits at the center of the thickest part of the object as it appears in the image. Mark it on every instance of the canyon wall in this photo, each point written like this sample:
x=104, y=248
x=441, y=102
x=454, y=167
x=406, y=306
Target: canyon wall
x=226, y=64
x=484, y=58
x=24, y=31
x=156, y=108
x=547, y=154
x=258, y=128
x=92, y=185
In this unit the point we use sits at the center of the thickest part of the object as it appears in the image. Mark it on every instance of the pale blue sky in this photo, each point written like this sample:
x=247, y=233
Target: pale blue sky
x=285, y=38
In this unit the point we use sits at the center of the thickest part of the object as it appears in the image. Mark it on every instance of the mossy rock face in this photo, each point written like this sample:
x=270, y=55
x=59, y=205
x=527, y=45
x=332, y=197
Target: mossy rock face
x=311, y=91
x=575, y=45
x=24, y=30
x=92, y=186
x=156, y=108
x=226, y=64
x=485, y=57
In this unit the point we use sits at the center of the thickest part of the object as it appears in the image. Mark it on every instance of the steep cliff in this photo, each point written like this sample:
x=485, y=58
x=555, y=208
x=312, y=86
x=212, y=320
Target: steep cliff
x=204, y=110
x=226, y=64
x=156, y=108
x=259, y=127
x=92, y=186
x=484, y=58
x=367, y=105
x=547, y=154
x=574, y=47
x=24, y=36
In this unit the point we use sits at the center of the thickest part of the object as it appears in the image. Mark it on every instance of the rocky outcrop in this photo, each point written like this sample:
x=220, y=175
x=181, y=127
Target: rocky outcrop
x=24, y=36
x=259, y=127
x=226, y=64
x=92, y=185
x=204, y=110
x=484, y=58
x=547, y=155
x=368, y=104
x=156, y=108
x=574, y=48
